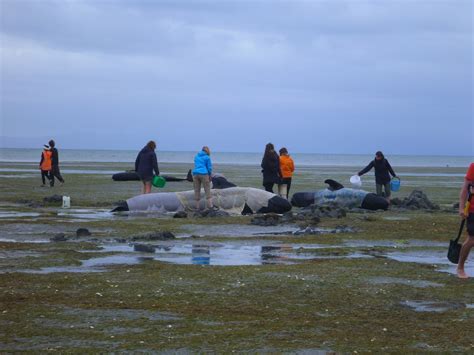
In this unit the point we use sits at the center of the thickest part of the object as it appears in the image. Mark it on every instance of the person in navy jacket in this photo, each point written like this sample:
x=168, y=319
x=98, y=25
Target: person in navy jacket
x=145, y=164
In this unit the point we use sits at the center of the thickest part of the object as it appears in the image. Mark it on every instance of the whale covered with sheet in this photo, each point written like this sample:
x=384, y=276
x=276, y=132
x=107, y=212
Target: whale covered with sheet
x=233, y=200
x=342, y=196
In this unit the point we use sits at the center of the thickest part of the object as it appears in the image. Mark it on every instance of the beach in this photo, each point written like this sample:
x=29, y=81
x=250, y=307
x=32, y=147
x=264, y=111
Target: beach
x=369, y=281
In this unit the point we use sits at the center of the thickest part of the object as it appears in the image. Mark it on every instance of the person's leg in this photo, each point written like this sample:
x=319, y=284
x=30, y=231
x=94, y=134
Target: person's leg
x=58, y=175
x=388, y=192
x=288, y=185
x=466, y=247
x=51, y=177
x=282, y=190
x=206, y=181
x=378, y=188
x=268, y=186
x=197, y=190
x=43, y=174
x=147, y=187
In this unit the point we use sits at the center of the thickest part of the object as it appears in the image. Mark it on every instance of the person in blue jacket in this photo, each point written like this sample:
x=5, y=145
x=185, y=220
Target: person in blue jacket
x=145, y=164
x=202, y=176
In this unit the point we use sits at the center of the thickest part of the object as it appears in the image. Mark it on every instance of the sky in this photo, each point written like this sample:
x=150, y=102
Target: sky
x=315, y=76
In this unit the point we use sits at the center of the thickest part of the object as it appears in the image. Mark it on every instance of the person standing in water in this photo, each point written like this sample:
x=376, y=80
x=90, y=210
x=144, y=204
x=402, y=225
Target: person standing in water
x=202, y=176
x=145, y=164
x=45, y=164
x=55, y=173
x=383, y=170
x=270, y=168
x=287, y=168
x=469, y=242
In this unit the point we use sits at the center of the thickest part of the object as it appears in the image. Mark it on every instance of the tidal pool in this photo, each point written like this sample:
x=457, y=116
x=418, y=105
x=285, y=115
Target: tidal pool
x=430, y=257
x=198, y=254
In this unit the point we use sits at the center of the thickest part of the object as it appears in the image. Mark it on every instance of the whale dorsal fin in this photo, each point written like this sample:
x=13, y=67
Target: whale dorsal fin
x=333, y=185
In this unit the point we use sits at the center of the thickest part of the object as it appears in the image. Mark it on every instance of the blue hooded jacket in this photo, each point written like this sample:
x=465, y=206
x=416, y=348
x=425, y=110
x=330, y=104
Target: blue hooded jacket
x=202, y=164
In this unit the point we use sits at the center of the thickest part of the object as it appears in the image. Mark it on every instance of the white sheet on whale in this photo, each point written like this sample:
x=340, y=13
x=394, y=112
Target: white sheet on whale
x=231, y=200
x=345, y=197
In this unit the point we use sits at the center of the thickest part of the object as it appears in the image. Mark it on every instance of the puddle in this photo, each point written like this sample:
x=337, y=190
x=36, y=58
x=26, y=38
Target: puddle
x=430, y=257
x=238, y=230
x=9, y=240
x=199, y=254
x=89, y=214
x=401, y=281
x=18, y=176
x=13, y=214
x=430, y=306
x=63, y=170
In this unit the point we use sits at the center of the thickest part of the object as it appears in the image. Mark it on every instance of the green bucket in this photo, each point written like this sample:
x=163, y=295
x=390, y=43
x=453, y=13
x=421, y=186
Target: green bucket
x=158, y=181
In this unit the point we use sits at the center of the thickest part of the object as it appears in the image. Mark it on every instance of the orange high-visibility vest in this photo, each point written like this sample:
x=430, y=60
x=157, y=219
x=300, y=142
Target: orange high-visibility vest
x=46, y=164
x=287, y=166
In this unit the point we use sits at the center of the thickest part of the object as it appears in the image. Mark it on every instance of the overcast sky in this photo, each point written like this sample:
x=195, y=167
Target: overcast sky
x=315, y=76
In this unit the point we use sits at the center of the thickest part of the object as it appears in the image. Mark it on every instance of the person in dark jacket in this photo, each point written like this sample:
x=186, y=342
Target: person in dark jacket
x=383, y=170
x=270, y=167
x=145, y=164
x=55, y=173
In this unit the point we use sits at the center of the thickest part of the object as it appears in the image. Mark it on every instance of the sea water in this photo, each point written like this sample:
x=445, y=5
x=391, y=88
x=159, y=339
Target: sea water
x=234, y=158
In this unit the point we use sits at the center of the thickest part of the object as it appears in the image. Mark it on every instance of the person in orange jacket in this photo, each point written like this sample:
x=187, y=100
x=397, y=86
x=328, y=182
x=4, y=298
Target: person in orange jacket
x=287, y=168
x=45, y=164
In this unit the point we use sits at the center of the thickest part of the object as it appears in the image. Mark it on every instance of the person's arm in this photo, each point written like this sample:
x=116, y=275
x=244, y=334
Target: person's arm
x=277, y=163
x=463, y=197
x=209, y=166
x=42, y=158
x=137, y=161
x=366, y=169
x=389, y=167
x=155, y=164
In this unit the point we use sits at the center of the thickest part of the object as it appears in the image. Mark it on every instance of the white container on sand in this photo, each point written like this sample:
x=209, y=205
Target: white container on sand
x=66, y=201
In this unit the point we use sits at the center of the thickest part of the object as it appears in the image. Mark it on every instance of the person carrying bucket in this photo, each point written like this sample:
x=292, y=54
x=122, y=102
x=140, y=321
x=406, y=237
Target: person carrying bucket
x=45, y=164
x=287, y=168
x=469, y=216
x=383, y=170
x=145, y=164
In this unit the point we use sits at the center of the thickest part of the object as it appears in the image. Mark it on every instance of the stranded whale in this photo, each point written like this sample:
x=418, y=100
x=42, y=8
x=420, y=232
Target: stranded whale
x=234, y=200
x=344, y=197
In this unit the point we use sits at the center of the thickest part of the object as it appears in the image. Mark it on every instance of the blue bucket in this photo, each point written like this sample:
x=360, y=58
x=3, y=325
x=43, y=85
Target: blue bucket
x=395, y=184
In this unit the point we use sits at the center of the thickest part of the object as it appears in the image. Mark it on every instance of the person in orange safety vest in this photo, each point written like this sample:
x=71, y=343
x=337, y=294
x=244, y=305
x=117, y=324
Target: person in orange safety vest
x=45, y=164
x=287, y=168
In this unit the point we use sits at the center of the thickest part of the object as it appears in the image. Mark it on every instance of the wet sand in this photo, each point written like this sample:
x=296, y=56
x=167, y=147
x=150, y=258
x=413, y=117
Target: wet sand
x=223, y=284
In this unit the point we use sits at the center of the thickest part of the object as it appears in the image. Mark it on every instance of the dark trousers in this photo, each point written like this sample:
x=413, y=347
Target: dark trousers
x=268, y=186
x=55, y=173
x=45, y=174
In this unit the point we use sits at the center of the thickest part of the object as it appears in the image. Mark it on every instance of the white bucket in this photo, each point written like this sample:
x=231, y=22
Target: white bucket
x=66, y=201
x=356, y=181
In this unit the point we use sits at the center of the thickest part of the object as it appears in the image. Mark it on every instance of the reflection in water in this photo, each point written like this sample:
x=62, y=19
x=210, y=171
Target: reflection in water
x=271, y=254
x=201, y=255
